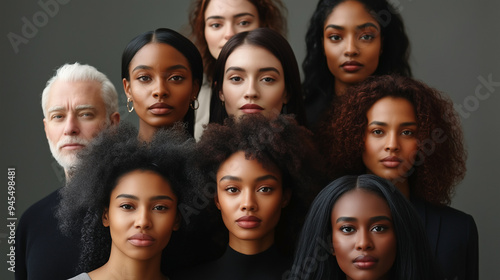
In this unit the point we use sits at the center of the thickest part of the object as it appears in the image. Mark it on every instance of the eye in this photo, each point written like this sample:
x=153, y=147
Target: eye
x=160, y=207
x=335, y=37
x=144, y=78
x=379, y=228
x=231, y=189
x=407, y=133
x=87, y=115
x=176, y=78
x=215, y=25
x=244, y=23
x=367, y=37
x=268, y=79
x=127, y=206
x=56, y=117
x=377, y=131
x=236, y=79
x=265, y=189
x=347, y=229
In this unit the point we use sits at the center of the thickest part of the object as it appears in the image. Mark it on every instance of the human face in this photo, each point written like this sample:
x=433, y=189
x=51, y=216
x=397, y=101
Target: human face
x=224, y=18
x=352, y=44
x=76, y=113
x=141, y=216
x=250, y=198
x=363, y=237
x=253, y=82
x=161, y=85
x=390, y=138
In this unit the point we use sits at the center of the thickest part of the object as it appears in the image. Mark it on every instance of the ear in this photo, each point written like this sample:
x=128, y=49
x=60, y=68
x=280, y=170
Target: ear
x=115, y=118
x=177, y=223
x=287, y=194
x=195, y=91
x=286, y=97
x=216, y=199
x=126, y=88
x=333, y=251
x=45, y=125
x=105, y=217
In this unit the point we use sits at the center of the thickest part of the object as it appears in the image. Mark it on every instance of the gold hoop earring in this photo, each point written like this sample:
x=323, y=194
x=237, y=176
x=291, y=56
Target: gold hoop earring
x=195, y=105
x=128, y=108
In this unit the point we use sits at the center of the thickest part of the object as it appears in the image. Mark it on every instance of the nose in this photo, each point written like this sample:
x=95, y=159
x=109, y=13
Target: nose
x=392, y=143
x=364, y=241
x=351, y=48
x=229, y=31
x=160, y=90
x=251, y=91
x=71, y=126
x=248, y=202
x=143, y=219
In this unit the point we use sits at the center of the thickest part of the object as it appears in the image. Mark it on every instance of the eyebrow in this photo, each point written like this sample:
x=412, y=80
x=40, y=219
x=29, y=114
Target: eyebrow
x=235, y=16
x=385, y=124
x=173, y=67
x=238, y=179
x=359, y=27
x=265, y=69
x=78, y=107
x=158, y=197
x=372, y=219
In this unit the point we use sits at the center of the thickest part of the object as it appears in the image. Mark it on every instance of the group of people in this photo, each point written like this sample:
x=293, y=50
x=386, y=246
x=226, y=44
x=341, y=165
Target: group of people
x=238, y=170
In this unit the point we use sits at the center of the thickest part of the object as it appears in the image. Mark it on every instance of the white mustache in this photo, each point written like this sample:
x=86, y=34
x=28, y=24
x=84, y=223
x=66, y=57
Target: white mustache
x=72, y=140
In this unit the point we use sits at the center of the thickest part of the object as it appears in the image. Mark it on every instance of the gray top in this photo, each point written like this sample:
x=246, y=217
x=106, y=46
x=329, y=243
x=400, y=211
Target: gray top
x=83, y=276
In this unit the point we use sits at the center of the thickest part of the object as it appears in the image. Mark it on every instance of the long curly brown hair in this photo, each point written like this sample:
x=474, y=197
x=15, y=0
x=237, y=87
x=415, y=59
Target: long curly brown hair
x=271, y=15
x=440, y=162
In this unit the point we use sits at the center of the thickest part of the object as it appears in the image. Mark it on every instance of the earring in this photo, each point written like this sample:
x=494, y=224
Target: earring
x=128, y=108
x=195, y=105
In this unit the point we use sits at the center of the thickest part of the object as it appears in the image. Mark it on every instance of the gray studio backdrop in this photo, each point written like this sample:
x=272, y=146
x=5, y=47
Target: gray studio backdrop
x=455, y=48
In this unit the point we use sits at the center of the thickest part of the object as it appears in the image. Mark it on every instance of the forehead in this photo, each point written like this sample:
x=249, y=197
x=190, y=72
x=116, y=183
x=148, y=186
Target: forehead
x=360, y=204
x=158, y=55
x=229, y=8
x=350, y=13
x=237, y=165
x=143, y=183
x=389, y=108
x=253, y=56
x=74, y=93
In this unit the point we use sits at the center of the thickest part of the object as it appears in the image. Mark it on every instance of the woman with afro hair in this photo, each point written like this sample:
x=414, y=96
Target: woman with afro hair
x=124, y=202
x=265, y=174
x=402, y=130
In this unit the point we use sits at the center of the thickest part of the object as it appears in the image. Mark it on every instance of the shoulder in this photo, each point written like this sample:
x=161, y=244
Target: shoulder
x=44, y=207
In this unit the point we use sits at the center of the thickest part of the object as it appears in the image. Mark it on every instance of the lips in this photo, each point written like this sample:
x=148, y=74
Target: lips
x=251, y=108
x=248, y=222
x=365, y=262
x=141, y=240
x=391, y=161
x=351, y=66
x=72, y=146
x=160, y=108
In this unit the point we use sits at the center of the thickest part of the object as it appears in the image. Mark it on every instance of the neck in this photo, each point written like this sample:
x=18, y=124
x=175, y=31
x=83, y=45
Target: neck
x=120, y=266
x=146, y=132
x=340, y=88
x=251, y=247
x=403, y=187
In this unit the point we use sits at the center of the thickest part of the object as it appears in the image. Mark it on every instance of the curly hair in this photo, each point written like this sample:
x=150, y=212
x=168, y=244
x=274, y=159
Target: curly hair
x=281, y=143
x=441, y=157
x=313, y=258
x=271, y=15
x=276, y=44
x=318, y=80
x=113, y=154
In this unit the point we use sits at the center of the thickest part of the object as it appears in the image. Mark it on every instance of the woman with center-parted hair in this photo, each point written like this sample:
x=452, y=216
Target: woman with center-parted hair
x=214, y=22
x=124, y=202
x=162, y=72
x=256, y=73
x=362, y=227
